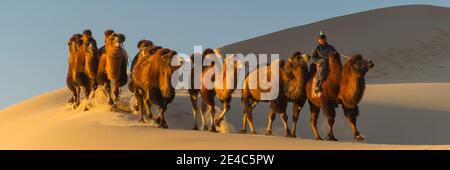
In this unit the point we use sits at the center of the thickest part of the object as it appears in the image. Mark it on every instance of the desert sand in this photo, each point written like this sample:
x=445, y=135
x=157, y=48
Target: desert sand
x=47, y=122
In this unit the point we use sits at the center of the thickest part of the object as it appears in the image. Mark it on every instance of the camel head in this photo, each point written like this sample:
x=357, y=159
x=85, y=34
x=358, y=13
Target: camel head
x=230, y=59
x=75, y=43
x=298, y=59
x=359, y=65
x=113, y=39
x=144, y=47
x=118, y=40
x=87, y=35
x=90, y=47
x=171, y=60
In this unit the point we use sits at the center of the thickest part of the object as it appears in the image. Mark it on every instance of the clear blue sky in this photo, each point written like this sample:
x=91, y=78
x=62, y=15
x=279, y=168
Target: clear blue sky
x=33, y=34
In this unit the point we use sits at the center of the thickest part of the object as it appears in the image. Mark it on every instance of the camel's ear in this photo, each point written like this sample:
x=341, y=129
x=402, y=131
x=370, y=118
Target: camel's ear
x=121, y=38
x=154, y=49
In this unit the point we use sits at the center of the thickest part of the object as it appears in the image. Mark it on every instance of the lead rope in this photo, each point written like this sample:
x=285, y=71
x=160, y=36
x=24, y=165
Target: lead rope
x=344, y=56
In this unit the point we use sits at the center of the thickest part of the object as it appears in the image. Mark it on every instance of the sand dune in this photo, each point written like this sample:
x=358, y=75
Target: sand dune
x=46, y=122
x=408, y=44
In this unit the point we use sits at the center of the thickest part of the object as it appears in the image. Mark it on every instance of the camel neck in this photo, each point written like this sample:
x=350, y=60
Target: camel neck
x=352, y=87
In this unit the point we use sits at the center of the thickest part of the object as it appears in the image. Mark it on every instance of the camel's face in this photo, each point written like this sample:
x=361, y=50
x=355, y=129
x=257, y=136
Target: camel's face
x=144, y=47
x=90, y=48
x=360, y=65
x=116, y=42
x=75, y=44
x=231, y=60
x=172, y=60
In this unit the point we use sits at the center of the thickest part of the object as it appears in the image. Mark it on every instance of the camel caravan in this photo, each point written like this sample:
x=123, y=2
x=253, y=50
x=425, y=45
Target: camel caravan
x=326, y=83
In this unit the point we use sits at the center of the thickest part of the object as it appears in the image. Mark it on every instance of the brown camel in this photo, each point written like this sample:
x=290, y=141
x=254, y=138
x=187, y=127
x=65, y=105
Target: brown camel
x=194, y=92
x=221, y=89
x=143, y=47
x=293, y=76
x=91, y=60
x=112, y=65
x=77, y=78
x=75, y=45
x=343, y=85
x=152, y=81
x=146, y=49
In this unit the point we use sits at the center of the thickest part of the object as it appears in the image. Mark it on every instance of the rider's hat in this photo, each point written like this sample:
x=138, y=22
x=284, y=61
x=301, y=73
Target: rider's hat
x=321, y=35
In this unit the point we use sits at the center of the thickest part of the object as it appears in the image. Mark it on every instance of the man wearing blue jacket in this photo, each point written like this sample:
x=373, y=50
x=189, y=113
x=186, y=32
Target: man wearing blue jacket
x=320, y=58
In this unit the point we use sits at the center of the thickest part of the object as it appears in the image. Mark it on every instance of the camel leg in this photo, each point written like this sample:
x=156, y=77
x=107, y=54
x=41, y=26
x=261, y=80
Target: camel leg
x=244, y=116
x=250, y=122
x=284, y=117
x=212, y=111
x=329, y=111
x=161, y=119
x=247, y=117
x=226, y=108
x=72, y=89
x=203, y=107
x=140, y=102
x=148, y=106
x=107, y=87
x=313, y=121
x=87, y=91
x=244, y=123
x=271, y=117
x=92, y=86
x=115, y=91
x=295, y=114
x=351, y=114
x=194, y=110
x=77, y=96
x=72, y=99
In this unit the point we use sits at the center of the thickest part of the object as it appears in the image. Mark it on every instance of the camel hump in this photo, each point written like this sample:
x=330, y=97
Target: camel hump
x=121, y=37
x=296, y=53
x=165, y=51
x=154, y=49
x=356, y=57
x=144, y=43
x=207, y=52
